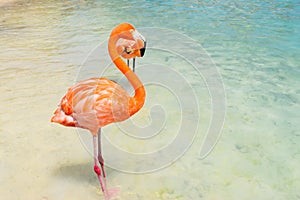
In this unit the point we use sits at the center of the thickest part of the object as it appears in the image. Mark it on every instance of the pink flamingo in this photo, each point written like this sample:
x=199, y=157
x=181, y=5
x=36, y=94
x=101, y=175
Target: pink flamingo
x=96, y=102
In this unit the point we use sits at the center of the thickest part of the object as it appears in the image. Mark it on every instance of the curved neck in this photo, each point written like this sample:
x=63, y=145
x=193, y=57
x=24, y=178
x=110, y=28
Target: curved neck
x=138, y=99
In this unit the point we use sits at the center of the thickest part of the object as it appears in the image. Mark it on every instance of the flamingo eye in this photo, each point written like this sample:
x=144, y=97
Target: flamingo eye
x=128, y=50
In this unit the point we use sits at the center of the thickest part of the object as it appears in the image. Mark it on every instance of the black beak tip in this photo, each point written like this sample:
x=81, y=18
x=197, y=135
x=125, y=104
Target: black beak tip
x=142, y=50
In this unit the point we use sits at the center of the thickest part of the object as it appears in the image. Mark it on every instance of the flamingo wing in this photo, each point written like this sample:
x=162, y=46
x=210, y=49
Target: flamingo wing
x=93, y=103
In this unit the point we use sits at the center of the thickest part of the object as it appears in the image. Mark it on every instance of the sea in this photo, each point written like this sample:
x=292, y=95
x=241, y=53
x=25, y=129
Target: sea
x=221, y=116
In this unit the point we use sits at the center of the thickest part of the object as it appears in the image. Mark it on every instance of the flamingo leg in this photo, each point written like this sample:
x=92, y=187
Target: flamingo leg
x=100, y=157
x=96, y=167
x=133, y=65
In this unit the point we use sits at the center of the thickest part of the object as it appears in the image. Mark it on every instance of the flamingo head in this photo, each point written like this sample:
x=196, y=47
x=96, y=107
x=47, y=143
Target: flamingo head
x=130, y=43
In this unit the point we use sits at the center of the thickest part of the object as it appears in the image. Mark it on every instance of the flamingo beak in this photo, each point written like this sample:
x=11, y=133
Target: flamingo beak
x=140, y=42
x=142, y=50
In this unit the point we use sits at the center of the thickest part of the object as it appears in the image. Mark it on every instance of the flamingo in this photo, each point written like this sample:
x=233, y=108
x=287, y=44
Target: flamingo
x=96, y=102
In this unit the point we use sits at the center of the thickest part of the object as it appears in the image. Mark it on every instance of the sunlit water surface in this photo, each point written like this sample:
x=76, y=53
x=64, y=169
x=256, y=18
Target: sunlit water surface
x=255, y=46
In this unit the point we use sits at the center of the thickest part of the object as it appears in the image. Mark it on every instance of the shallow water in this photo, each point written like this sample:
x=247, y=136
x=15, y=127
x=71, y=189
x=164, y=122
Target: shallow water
x=46, y=46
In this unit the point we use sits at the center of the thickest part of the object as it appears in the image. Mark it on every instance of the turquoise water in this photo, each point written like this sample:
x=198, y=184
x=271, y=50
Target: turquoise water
x=48, y=45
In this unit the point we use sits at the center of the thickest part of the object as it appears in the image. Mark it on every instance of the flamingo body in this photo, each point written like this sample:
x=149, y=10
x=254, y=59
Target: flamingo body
x=92, y=104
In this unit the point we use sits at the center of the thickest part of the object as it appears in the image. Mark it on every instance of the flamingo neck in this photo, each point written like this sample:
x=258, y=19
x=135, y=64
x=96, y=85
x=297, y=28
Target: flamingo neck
x=137, y=101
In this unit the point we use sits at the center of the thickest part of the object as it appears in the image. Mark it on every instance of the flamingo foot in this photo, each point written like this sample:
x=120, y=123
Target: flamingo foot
x=111, y=193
